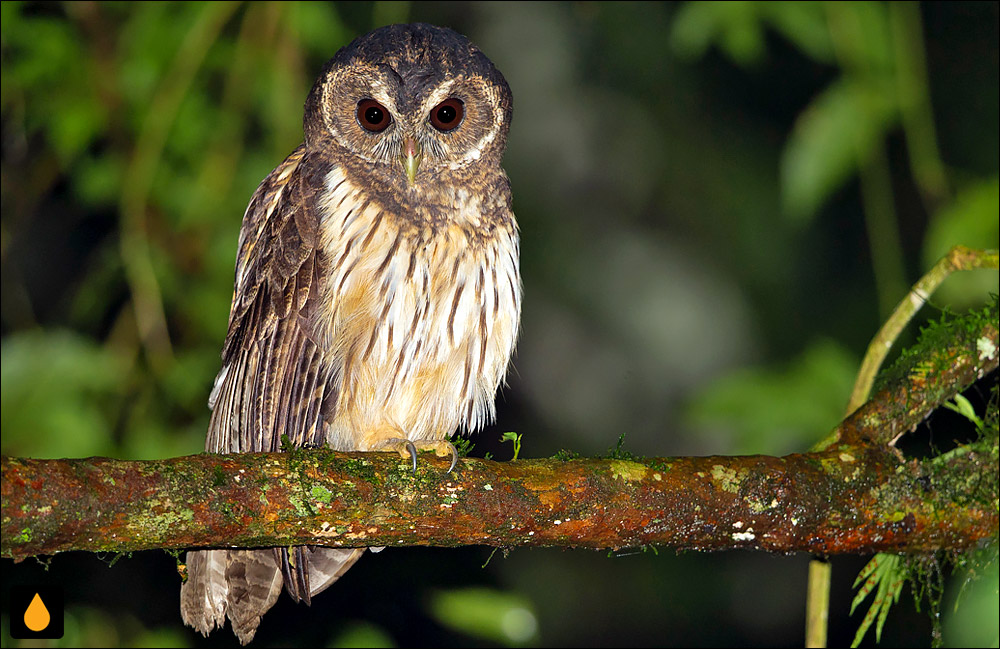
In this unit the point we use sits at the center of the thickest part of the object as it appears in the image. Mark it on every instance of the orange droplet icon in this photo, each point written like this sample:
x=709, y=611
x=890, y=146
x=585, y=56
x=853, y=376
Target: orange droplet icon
x=36, y=617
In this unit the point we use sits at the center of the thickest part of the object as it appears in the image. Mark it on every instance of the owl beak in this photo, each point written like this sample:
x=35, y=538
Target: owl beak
x=412, y=155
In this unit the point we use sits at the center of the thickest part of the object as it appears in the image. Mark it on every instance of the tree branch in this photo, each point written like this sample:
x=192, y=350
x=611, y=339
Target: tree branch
x=856, y=496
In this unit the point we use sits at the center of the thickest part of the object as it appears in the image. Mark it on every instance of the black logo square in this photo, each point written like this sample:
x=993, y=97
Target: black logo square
x=36, y=611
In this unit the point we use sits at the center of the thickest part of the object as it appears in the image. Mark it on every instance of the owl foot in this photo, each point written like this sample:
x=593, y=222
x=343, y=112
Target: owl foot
x=408, y=449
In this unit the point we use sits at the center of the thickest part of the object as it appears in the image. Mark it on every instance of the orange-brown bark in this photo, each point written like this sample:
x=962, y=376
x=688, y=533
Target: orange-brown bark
x=858, y=495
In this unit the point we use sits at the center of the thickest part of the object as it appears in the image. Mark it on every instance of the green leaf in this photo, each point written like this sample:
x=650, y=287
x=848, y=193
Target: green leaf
x=888, y=573
x=734, y=26
x=76, y=124
x=970, y=220
x=515, y=439
x=962, y=406
x=973, y=621
x=362, y=634
x=838, y=130
x=779, y=409
x=863, y=36
x=804, y=24
x=506, y=618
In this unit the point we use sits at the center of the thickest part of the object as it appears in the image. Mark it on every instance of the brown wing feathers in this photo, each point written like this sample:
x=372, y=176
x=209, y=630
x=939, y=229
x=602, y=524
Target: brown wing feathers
x=274, y=381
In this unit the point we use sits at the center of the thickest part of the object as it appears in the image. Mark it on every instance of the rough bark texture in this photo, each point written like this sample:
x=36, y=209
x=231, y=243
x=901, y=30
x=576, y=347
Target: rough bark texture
x=858, y=495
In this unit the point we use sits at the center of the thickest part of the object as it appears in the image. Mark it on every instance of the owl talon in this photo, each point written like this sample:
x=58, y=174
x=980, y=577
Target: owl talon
x=442, y=448
x=454, y=457
x=408, y=449
x=413, y=454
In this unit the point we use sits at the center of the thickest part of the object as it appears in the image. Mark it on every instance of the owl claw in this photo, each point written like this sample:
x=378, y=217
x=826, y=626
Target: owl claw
x=413, y=454
x=408, y=450
x=442, y=448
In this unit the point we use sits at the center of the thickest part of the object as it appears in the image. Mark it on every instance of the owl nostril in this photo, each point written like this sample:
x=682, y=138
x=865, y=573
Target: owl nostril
x=410, y=147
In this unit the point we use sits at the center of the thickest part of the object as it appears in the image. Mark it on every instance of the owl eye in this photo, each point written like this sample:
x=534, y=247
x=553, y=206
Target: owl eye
x=373, y=116
x=447, y=115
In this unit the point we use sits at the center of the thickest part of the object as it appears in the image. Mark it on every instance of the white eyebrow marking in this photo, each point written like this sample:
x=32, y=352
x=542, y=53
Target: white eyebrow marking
x=439, y=94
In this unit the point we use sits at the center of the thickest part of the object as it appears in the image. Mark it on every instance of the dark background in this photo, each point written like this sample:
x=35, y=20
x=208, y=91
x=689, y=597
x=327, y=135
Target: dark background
x=719, y=204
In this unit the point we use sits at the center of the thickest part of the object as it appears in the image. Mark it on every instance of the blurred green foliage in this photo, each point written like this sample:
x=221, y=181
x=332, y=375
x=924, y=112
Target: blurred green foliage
x=972, y=620
x=504, y=618
x=717, y=202
x=841, y=134
x=362, y=635
x=58, y=387
x=812, y=390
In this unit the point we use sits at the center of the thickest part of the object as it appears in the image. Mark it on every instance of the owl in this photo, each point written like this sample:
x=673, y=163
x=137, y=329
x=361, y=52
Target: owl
x=377, y=297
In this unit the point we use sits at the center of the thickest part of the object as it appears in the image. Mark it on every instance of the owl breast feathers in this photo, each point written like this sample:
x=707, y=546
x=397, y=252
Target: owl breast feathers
x=377, y=295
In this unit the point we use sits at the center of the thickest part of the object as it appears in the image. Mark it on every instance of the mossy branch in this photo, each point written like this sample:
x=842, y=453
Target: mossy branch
x=856, y=496
x=959, y=258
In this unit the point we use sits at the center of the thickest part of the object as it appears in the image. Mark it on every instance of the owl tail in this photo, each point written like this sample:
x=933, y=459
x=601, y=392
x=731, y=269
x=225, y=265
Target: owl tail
x=245, y=584
x=309, y=570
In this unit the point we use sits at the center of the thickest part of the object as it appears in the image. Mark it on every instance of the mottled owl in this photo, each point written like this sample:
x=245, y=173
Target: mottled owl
x=377, y=297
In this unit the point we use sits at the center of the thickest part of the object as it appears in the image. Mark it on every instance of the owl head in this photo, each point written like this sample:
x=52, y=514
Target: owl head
x=410, y=104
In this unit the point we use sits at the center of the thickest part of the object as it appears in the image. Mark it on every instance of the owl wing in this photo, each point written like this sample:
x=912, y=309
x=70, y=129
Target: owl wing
x=275, y=378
